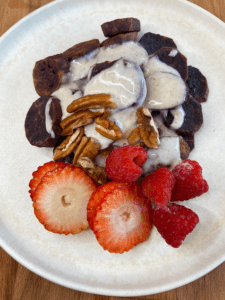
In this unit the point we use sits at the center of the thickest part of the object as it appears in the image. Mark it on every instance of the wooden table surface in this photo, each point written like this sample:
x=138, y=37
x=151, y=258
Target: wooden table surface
x=18, y=283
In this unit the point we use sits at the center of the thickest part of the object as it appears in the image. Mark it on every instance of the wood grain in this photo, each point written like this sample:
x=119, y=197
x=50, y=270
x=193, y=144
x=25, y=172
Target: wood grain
x=18, y=283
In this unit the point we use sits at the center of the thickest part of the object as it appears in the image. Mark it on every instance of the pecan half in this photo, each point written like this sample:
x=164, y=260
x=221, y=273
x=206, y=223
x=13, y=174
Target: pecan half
x=147, y=128
x=95, y=101
x=108, y=129
x=69, y=144
x=135, y=137
x=93, y=170
x=184, y=149
x=77, y=120
x=87, y=148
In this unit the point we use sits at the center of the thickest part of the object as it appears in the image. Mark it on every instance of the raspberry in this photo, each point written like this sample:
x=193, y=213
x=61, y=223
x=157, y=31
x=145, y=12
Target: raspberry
x=123, y=164
x=159, y=185
x=189, y=181
x=174, y=222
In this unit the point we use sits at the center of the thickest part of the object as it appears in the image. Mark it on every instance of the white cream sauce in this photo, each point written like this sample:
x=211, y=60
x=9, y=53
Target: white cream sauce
x=90, y=131
x=154, y=64
x=66, y=96
x=165, y=90
x=168, y=154
x=173, y=53
x=129, y=50
x=178, y=114
x=126, y=120
x=124, y=80
x=48, y=120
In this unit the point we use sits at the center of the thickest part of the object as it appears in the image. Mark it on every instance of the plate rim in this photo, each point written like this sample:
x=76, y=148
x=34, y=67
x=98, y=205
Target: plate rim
x=49, y=276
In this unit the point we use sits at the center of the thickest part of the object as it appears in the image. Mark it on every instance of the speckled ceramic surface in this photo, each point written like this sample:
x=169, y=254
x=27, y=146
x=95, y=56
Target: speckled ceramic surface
x=78, y=261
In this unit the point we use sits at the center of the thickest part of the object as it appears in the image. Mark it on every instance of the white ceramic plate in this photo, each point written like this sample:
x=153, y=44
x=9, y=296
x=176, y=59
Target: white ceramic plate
x=78, y=262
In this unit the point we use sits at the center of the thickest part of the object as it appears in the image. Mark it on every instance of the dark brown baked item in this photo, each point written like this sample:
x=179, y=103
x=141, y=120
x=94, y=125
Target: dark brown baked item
x=48, y=72
x=190, y=140
x=197, y=84
x=153, y=42
x=120, y=39
x=121, y=26
x=97, y=68
x=178, y=62
x=35, y=123
x=81, y=49
x=193, y=117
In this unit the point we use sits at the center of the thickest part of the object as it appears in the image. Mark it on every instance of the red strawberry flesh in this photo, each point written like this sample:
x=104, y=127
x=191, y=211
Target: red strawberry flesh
x=40, y=173
x=123, y=219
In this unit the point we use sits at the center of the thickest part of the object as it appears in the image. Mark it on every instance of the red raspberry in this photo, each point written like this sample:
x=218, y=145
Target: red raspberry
x=159, y=185
x=174, y=222
x=189, y=182
x=123, y=164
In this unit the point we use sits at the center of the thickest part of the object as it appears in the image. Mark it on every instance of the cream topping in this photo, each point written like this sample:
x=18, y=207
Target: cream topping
x=167, y=154
x=165, y=90
x=90, y=131
x=66, y=96
x=178, y=114
x=124, y=80
x=154, y=64
x=127, y=121
x=48, y=120
x=129, y=50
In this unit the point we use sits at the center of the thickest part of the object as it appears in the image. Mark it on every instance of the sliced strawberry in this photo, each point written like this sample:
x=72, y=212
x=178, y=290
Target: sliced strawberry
x=159, y=185
x=174, y=222
x=61, y=198
x=96, y=199
x=189, y=181
x=41, y=171
x=123, y=218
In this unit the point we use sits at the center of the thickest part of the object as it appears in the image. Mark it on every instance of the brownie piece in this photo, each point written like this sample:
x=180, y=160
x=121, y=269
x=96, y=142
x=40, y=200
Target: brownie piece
x=118, y=26
x=153, y=42
x=193, y=117
x=48, y=72
x=120, y=39
x=35, y=122
x=178, y=61
x=197, y=84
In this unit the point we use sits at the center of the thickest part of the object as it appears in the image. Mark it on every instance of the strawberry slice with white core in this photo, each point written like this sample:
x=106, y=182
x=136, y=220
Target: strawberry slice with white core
x=40, y=173
x=61, y=198
x=123, y=219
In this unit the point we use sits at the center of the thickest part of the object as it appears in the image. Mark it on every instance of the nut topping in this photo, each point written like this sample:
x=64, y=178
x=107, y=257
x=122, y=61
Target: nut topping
x=69, y=144
x=77, y=120
x=135, y=137
x=147, y=128
x=96, y=101
x=87, y=148
x=93, y=170
x=108, y=129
